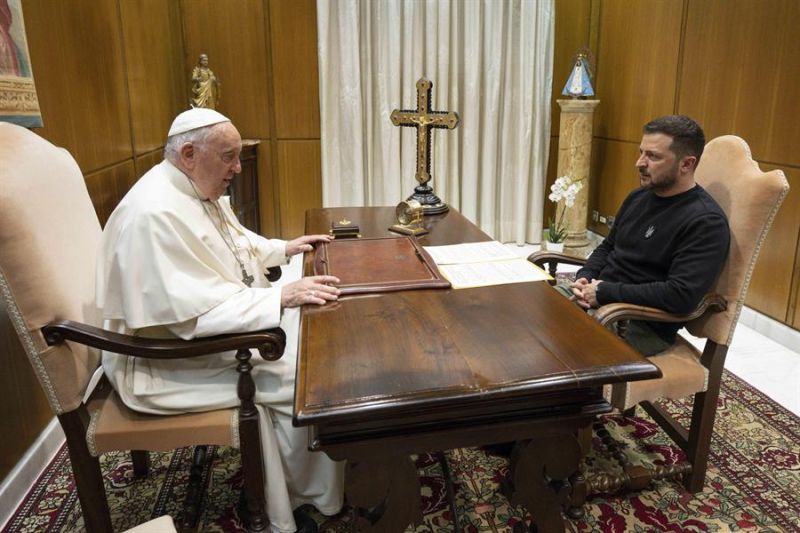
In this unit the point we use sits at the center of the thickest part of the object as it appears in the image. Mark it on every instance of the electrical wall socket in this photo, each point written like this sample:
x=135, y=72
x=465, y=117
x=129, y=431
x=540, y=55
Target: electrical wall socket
x=595, y=215
x=610, y=222
x=602, y=219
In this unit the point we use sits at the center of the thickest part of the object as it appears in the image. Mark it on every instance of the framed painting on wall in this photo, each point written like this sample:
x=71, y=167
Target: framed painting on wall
x=18, y=101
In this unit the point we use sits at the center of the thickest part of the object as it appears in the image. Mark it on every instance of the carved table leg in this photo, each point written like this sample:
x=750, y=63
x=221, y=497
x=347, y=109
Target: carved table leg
x=540, y=472
x=386, y=493
x=578, y=479
x=577, y=500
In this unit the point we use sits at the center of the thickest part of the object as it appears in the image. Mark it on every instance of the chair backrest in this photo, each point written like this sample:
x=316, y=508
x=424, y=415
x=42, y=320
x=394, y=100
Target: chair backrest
x=49, y=234
x=750, y=199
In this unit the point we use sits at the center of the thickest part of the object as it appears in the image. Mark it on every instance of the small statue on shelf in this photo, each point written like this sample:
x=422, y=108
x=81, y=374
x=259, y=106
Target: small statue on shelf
x=205, y=86
x=579, y=84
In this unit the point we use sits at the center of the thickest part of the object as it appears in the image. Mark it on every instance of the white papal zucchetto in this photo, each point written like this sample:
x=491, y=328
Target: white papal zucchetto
x=194, y=118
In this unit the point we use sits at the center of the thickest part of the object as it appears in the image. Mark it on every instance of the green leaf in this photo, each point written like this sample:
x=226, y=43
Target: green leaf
x=556, y=233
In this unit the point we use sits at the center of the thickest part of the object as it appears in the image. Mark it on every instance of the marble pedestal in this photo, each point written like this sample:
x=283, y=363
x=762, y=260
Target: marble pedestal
x=574, y=157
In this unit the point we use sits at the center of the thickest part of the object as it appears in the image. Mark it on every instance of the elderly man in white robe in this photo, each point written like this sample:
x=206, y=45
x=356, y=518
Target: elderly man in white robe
x=175, y=262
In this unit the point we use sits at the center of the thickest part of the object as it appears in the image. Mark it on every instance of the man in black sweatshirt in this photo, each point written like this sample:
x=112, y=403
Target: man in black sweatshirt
x=669, y=239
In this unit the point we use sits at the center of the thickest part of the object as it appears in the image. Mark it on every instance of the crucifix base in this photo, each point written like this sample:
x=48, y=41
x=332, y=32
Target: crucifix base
x=431, y=204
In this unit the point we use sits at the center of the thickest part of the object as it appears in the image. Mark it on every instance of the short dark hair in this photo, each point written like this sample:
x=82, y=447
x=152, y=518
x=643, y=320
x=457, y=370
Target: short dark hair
x=687, y=135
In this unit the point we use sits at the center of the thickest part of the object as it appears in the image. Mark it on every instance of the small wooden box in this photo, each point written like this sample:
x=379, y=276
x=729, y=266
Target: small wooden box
x=347, y=230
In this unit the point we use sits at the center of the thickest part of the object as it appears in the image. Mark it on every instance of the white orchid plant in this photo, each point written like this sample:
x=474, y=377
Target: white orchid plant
x=563, y=192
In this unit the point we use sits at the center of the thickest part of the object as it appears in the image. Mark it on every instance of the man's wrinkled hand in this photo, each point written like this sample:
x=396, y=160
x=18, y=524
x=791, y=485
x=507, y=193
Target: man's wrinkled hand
x=588, y=297
x=577, y=292
x=315, y=290
x=305, y=243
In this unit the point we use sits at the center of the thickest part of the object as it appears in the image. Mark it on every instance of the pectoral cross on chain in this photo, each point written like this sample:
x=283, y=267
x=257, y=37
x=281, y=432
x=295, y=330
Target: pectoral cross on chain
x=424, y=119
x=247, y=278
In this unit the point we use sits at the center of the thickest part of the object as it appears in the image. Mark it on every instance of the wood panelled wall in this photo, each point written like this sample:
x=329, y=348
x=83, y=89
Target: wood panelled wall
x=733, y=66
x=112, y=74
x=265, y=54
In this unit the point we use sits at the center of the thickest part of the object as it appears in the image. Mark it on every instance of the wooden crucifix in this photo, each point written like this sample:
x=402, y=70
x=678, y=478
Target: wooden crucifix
x=424, y=119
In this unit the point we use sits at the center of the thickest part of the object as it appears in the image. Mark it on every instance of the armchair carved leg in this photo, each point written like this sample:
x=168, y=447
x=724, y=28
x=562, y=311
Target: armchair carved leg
x=250, y=445
x=195, y=490
x=86, y=469
x=141, y=462
x=698, y=442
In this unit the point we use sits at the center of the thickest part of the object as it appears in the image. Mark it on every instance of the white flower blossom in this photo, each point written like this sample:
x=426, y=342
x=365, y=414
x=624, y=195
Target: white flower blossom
x=566, y=189
x=563, y=188
x=571, y=193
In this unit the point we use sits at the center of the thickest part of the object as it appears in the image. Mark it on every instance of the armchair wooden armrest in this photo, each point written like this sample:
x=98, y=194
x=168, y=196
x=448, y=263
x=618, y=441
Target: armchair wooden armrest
x=270, y=343
x=610, y=313
x=553, y=259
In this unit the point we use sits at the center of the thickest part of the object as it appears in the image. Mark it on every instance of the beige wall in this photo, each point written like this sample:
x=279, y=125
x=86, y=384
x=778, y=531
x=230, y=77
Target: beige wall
x=733, y=66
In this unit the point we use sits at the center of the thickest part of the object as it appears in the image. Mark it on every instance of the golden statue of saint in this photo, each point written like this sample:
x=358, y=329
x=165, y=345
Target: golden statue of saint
x=205, y=88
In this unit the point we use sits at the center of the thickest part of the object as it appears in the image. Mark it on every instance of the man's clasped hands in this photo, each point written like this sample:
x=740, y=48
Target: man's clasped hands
x=584, y=292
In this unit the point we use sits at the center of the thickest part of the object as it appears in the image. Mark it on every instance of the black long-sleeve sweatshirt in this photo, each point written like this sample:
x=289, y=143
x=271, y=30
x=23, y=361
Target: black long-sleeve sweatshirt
x=662, y=252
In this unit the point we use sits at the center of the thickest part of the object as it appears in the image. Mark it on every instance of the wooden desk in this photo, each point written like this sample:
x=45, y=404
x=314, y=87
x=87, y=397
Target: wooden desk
x=380, y=377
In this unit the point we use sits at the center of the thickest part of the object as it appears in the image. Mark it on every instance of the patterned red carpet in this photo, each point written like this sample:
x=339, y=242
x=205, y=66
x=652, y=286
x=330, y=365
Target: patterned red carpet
x=753, y=482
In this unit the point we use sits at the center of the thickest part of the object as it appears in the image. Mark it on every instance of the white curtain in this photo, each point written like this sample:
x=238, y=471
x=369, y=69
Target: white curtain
x=491, y=61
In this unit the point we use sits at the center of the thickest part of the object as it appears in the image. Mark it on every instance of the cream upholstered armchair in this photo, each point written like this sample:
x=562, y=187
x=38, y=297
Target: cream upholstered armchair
x=750, y=199
x=49, y=235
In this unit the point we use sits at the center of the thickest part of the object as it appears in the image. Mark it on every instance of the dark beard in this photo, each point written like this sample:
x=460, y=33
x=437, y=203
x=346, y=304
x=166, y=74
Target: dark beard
x=666, y=182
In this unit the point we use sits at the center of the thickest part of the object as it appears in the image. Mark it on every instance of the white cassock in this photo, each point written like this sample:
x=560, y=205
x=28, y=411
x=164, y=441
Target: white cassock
x=164, y=270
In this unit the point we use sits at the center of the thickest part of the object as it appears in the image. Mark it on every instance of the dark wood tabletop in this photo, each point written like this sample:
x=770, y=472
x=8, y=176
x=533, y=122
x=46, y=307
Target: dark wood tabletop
x=383, y=363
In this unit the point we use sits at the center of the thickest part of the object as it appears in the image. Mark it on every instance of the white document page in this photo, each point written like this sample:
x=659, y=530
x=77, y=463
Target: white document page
x=517, y=270
x=469, y=252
